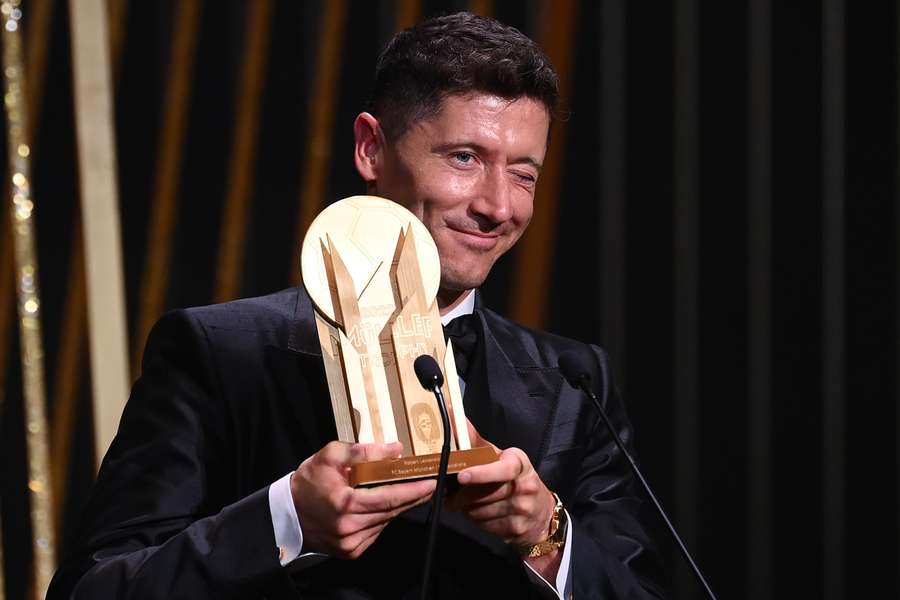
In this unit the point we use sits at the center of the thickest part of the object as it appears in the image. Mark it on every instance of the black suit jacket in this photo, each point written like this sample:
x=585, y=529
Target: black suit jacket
x=233, y=397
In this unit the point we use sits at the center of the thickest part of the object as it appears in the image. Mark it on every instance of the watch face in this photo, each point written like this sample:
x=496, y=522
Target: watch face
x=560, y=521
x=557, y=513
x=554, y=523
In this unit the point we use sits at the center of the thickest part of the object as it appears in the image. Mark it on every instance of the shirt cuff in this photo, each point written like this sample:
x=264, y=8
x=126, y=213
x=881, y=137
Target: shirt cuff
x=565, y=566
x=285, y=523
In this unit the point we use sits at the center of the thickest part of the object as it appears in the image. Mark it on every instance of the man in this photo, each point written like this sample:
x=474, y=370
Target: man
x=223, y=480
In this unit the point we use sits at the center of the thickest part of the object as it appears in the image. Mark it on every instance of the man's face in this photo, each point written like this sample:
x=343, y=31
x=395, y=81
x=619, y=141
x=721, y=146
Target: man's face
x=469, y=174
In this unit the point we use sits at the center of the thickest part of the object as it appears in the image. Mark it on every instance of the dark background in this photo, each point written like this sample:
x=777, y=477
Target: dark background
x=719, y=211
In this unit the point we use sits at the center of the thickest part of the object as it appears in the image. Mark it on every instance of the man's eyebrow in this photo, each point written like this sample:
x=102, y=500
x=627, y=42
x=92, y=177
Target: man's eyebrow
x=527, y=160
x=521, y=160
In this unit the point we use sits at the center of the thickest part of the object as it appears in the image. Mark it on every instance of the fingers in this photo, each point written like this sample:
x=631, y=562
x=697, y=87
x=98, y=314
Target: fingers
x=392, y=498
x=343, y=454
x=360, y=453
x=340, y=520
x=510, y=506
x=472, y=496
x=513, y=493
x=368, y=511
x=511, y=529
x=519, y=517
x=512, y=464
x=352, y=545
x=362, y=520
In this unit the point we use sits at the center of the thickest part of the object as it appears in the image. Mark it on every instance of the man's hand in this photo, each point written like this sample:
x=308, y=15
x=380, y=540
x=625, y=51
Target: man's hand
x=506, y=498
x=342, y=521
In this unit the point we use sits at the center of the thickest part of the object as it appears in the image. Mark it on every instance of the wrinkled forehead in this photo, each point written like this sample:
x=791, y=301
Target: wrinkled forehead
x=471, y=101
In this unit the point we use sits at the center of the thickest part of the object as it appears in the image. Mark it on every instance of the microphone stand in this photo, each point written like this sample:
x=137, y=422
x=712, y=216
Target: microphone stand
x=436, y=500
x=583, y=386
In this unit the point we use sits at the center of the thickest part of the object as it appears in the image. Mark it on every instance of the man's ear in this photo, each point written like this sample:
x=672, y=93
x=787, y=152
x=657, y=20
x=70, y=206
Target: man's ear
x=368, y=152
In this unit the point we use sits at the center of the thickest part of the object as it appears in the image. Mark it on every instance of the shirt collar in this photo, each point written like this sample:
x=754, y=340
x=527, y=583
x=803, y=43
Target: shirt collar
x=466, y=307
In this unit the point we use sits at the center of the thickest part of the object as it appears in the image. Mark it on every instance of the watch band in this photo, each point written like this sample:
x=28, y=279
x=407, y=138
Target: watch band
x=557, y=537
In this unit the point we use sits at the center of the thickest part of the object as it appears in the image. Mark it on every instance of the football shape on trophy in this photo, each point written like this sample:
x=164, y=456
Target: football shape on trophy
x=372, y=272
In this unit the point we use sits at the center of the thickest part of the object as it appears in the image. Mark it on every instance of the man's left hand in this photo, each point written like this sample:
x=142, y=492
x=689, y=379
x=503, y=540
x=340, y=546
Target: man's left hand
x=506, y=498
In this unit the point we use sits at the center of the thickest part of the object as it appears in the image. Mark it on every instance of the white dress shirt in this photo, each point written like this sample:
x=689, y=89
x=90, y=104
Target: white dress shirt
x=289, y=534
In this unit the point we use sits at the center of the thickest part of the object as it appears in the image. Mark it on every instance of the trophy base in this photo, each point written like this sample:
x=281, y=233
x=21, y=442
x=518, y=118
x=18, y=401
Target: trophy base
x=410, y=468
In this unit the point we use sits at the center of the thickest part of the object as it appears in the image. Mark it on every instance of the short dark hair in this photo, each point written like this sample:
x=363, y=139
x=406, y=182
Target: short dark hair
x=457, y=54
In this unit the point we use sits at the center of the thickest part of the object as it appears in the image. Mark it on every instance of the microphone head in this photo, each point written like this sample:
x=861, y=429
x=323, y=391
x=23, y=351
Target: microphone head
x=575, y=367
x=428, y=372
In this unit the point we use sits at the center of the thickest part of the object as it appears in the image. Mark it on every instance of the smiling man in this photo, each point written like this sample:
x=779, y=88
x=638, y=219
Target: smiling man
x=223, y=481
x=468, y=172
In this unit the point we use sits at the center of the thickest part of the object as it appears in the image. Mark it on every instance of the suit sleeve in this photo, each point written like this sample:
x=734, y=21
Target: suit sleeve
x=613, y=554
x=150, y=529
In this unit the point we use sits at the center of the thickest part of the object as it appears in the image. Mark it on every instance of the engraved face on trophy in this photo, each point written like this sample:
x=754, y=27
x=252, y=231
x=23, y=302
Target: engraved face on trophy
x=425, y=424
x=372, y=272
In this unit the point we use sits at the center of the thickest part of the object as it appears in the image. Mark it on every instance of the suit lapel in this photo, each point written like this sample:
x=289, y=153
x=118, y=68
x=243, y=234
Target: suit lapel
x=519, y=405
x=299, y=375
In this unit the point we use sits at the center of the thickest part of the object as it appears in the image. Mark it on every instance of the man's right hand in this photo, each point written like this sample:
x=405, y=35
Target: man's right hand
x=342, y=521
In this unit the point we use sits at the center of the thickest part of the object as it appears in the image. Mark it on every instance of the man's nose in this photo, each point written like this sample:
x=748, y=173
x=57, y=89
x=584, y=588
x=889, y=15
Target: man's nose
x=493, y=200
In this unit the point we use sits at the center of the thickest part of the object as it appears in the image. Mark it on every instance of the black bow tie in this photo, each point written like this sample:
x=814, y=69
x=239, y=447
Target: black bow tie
x=465, y=332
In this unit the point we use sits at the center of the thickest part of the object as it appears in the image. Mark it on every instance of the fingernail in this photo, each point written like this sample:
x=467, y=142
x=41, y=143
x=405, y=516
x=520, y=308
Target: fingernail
x=464, y=477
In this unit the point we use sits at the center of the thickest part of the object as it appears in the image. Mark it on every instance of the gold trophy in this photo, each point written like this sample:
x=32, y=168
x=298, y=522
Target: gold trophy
x=372, y=272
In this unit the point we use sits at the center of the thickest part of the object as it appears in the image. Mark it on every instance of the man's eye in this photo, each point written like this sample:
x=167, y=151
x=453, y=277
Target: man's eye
x=526, y=178
x=464, y=157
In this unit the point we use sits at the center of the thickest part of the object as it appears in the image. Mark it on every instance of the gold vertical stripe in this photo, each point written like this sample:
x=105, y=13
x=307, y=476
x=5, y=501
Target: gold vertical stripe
x=72, y=344
x=7, y=293
x=485, y=8
x=29, y=305
x=168, y=169
x=73, y=341
x=6, y=296
x=320, y=120
x=243, y=151
x=534, y=259
x=40, y=19
x=100, y=217
x=408, y=13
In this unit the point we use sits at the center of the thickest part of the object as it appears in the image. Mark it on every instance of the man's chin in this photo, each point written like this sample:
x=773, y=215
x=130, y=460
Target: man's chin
x=460, y=282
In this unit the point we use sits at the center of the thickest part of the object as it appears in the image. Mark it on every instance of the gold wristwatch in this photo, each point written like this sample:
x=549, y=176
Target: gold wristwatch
x=557, y=537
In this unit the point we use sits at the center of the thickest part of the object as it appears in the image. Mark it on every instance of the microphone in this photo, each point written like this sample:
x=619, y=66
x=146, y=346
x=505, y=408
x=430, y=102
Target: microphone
x=429, y=374
x=576, y=369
